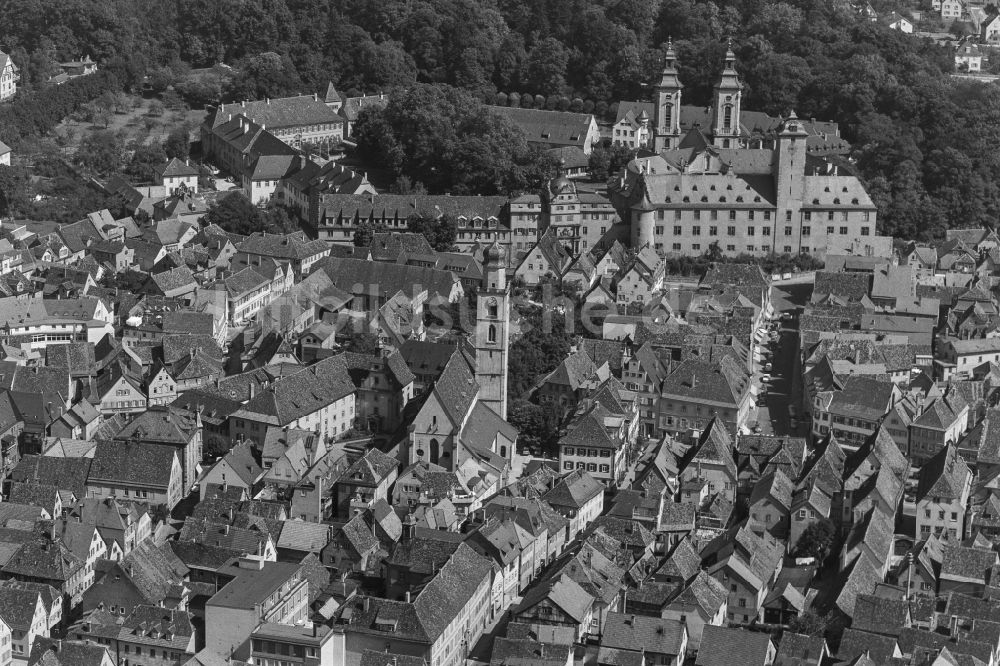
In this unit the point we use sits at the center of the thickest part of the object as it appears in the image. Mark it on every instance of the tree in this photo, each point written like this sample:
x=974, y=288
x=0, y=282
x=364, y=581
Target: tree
x=101, y=153
x=440, y=232
x=364, y=234
x=14, y=190
x=176, y=144
x=235, y=213
x=535, y=424
x=446, y=139
x=145, y=158
x=816, y=541
x=362, y=343
x=809, y=623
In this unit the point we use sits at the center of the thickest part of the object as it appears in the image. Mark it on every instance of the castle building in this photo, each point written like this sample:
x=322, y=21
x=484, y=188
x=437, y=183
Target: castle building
x=757, y=192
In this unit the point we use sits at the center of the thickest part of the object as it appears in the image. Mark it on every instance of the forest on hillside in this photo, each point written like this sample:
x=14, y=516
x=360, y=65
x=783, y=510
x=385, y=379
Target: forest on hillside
x=923, y=142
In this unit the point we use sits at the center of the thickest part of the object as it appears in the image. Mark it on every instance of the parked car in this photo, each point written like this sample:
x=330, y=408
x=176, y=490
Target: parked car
x=786, y=316
x=767, y=379
x=767, y=367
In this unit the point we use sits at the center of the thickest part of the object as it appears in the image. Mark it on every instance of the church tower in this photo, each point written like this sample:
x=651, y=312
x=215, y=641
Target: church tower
x=668, y=104
x=789, y=179
x=726, y=111
x=493, y=332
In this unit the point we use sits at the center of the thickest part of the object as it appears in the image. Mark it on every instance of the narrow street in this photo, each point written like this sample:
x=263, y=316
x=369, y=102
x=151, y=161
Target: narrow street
x=772, y=412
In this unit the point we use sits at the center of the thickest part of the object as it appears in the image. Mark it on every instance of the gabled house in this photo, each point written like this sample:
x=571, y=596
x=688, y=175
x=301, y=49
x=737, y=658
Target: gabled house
x=560, y=601
x=943, y=495
x=137, y=470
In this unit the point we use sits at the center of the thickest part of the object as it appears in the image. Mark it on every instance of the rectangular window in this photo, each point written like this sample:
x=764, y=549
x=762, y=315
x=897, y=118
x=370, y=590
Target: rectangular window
x=829, y=231
x=807, y=216
x=713, y=231
x=696, y=231
x=715, y=214
x=697, y=215
x=730, y=231
x=676, y=246
x=677, y=215
x=767, y=215
x=750, y=215
x=751, y=231
x=787, y=249
x=696, y=246
x=788, y=231
x=865, y=231
x=677, y=231
x=788, y=216
x=730, y=248
x=805, y=232
x=659, y=231
x=843, y=231
x=829, y=215
x=766, y=231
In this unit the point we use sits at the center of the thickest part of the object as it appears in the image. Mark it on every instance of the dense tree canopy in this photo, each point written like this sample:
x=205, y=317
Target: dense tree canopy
x=445, y=138
x=923, y=142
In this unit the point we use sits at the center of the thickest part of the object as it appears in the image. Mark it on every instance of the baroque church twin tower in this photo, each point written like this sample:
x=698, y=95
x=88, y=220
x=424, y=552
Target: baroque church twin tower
x=724, y=131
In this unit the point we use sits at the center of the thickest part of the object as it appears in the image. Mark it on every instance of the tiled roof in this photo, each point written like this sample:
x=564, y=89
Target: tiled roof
x=280, y=112
x=155, y=570
x=548, y=127
x=967, y=564
x=65, y=473
x=41, y=558
x=132, y=463
x=723, y=382
x=880, y=615
x=563, y=592
x=574, y=490
x=301, y=393
x=723, y=646
x=855, y=642
x=53, y=652
x=655, y=635
x=704, y=593
x=17, y=607
x=944, y=476
x=525, y=652
x=356, y=276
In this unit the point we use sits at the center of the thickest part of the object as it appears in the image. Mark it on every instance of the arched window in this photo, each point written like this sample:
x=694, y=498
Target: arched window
x=435, y=451
x=727, y=122
x=492, y=310
x=668, y=115
x=492, y=334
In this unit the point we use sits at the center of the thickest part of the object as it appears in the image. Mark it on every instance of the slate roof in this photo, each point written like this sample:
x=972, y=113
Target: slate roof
x=723, y=646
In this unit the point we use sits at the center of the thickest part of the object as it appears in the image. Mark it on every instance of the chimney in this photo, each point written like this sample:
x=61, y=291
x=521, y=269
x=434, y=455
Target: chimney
x=407, y=596
x=253, y=389
x=225, y=530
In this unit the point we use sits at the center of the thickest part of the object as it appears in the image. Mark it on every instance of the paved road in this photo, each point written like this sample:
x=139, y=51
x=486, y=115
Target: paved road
x=773, y=416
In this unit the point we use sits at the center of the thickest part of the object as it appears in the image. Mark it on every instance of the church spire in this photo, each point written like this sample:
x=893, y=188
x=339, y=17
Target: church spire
x=727, y=112
x=667, y=113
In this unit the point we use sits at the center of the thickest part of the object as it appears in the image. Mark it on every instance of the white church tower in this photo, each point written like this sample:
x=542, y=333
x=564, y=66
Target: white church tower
x=493, y=333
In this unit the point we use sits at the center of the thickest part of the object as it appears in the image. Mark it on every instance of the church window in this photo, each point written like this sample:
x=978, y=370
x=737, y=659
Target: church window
x=727, y=122
x=492, y=335
x=492, y=310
